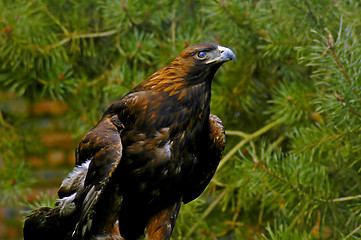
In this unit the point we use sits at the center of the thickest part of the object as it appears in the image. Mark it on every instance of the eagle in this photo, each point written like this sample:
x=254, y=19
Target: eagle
x=154, y=149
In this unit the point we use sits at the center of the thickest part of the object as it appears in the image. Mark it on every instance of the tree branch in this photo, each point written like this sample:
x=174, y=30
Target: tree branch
x=206, y=213
x=353, y=232
x=310, y=12
x=247, y=138
x=344, y=199
x=331, y=45
x=73, y=36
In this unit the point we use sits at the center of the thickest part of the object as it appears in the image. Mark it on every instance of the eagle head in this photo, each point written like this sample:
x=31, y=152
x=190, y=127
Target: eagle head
x=201, y=61
x=195, y=64
x=207, y=54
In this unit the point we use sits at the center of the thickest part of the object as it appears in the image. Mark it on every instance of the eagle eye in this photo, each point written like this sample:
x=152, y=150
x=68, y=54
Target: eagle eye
x=201, y=55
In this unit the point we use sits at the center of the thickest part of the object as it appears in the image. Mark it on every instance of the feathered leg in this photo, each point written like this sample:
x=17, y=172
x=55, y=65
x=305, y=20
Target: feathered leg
x=160, y=226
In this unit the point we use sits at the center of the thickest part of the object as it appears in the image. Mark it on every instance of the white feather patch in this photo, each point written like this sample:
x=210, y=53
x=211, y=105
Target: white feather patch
x=74, y=180
x=77, y=177
x=66, y=205
x=165, y=152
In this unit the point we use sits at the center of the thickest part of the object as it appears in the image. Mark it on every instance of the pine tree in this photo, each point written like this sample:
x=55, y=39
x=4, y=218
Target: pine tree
x=291, y=104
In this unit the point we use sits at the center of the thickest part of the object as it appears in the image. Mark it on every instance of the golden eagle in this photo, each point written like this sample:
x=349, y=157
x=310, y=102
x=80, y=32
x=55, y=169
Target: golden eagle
x=155, y=148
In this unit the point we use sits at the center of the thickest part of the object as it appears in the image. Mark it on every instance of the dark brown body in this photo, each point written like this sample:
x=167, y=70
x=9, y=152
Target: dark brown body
x=156, y=147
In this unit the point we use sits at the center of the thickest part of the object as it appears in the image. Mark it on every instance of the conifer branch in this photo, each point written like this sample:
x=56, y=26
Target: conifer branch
x=237, y=133
x=331, y=46
x=325, y=139
x=310, y=12
x=247, y=138
x=328, y=8
x=206, y=213
x=261, y=211
x=46, y=10
x=125, y=8
x=299, y=190
x=268, y=171
x=275, y=143
x=73, y=36
x=343, y=103
x=353, y=232
x=239, y=24
x=344, y=199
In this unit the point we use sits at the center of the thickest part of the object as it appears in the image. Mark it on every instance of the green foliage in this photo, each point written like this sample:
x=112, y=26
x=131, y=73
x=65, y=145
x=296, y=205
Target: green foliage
x=292, y=165
x=15, y=176
x=284, y=232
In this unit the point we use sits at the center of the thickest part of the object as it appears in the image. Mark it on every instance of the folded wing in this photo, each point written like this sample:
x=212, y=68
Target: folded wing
x=102, y=146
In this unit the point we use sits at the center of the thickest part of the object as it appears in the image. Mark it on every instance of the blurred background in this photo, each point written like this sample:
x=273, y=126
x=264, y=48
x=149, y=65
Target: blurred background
x=291, y=105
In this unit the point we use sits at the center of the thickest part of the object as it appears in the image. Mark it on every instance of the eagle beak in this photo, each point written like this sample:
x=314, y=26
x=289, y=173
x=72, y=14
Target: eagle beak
x=226, y=54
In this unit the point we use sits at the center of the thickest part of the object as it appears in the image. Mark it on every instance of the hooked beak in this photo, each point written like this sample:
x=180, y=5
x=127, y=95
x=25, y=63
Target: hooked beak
x=226, y=54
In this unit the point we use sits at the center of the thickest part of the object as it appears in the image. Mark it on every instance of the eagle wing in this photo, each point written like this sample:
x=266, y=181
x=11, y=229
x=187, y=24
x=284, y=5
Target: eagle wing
x=208, y=157
x=161, y=225
x=103, y=147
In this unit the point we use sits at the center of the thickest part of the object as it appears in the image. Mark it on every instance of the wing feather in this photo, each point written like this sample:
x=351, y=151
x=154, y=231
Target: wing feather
x=102, y=145
x=208, y=157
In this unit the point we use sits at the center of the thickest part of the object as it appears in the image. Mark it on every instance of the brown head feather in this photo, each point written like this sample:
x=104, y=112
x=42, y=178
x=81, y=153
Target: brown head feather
x=174, y=76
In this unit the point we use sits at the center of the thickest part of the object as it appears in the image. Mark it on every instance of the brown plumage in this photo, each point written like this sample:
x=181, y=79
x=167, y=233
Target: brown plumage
x=155, y=148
